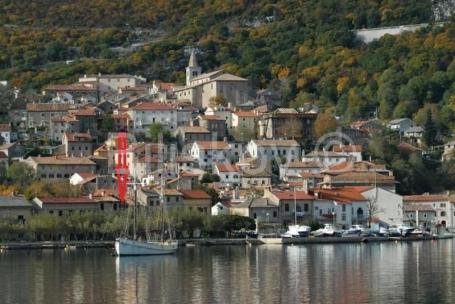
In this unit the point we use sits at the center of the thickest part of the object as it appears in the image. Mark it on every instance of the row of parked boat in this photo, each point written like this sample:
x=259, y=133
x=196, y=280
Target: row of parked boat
x=297, y=231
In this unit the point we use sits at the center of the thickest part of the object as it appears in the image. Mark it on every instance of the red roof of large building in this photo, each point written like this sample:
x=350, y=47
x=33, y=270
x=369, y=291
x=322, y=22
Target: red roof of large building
x=212, y=145
x=426, y=198
x=66, y=200
x=347, y=148
x=195, y=194
x=246, y=114
x=227, y=168
x=291, y=195
x=341, y=195
x=153, y=106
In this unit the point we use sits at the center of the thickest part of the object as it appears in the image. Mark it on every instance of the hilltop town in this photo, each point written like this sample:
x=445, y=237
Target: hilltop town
x=212, y=146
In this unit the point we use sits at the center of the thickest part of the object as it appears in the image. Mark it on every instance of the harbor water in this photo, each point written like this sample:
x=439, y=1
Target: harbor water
x=401, y=272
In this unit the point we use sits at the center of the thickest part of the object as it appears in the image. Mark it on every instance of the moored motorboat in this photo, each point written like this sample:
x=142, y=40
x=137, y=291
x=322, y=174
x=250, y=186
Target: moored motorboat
x=295, y=231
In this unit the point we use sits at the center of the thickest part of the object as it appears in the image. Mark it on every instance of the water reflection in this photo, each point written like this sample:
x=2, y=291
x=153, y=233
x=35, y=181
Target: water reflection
x=419, y=272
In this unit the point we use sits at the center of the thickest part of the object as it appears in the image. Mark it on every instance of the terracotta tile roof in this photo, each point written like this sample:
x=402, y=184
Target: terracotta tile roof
x=153, y=106
x=47, y=107
x=212, y=145
x=78, y=137
x=89, y=111
x=227, y=168
x=289, y=195
x=188, y=174
x=347, y=148
x=194, y=194
x=167, y=86
x=364, y=176
x=62, y=160
x=194, y=129
x=348, y=166
x=184, y=159
x=418, y=207
x=246, y=114
x=277, y=143
x=121, y=116
x=426, y=198
x=211, y=117
x=340, y=195
x=5, y=127
x=66, y=118
x=66, y=200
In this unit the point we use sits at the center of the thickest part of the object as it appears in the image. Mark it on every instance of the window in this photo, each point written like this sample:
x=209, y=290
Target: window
x=60, y=213
x=443, y=213
x=343, y=217
x=286, y=207
x=306, y=207
x=254, y=215
x=343, y=208
x=442, y=205
x=299, y=209
x=102, y=206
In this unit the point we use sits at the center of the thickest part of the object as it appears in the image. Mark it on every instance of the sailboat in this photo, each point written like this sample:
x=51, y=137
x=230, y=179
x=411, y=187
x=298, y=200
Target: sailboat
x=130, y=246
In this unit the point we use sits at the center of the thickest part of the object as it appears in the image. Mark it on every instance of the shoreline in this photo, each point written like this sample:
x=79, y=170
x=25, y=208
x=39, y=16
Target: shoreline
x=219, y=242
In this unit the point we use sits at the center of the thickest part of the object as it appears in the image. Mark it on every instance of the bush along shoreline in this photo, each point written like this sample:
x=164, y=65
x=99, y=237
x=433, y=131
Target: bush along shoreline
x=106, y=226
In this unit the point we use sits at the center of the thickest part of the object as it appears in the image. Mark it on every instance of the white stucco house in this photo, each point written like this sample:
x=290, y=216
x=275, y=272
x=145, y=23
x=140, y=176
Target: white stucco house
x=267, y=150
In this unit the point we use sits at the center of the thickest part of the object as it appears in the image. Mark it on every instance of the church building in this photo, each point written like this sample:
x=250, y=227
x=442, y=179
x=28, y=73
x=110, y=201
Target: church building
x=201, y=87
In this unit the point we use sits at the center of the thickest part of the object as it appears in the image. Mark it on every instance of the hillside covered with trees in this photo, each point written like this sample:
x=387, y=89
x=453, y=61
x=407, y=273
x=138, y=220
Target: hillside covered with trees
x=305, y=49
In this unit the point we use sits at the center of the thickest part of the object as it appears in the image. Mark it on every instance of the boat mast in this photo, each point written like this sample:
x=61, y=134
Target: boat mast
x=295, y=208
x=135, y=210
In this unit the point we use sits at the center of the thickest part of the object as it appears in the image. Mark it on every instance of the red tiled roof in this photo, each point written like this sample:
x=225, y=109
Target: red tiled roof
x=426, y=198
x=211, y=117
x=66, y=200
x=212, y=145
x=290, y=195
x=340, y=195
x=194, y=194
x=418, y=207
x=47, y=107
x=227, y=168
x=90, y=111
x=5, y=127
x=78, y=137
x=152, y=106
x=62, y=160
x=277, y=143
x=347, y=148
x=149, y=159
x=246, y=114
x=188, y=174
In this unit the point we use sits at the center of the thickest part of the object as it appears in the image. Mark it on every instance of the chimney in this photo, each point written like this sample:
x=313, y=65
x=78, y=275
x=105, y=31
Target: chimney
x=90, y=196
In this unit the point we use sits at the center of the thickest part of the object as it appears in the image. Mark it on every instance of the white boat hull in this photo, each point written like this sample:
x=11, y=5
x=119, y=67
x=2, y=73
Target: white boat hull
x=132, y=247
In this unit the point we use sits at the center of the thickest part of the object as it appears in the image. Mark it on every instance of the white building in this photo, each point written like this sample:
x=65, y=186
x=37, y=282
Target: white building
x=220, y=209
x=245, y=120
x=388, y=205
x=207, y=153
x=354, y=152
x=229, y=174
x=292, y=170
x=442, y=205
x=325, y=158
x=148, y=113
x=222, y=112
x=5, y=133
x=269, y=149
x=114, y=83
x=400, y=124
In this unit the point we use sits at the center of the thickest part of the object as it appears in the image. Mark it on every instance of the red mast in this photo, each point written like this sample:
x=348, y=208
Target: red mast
x=121, y=165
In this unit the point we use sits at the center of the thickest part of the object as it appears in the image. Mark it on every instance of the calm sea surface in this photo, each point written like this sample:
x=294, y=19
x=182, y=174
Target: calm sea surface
x=415, y=272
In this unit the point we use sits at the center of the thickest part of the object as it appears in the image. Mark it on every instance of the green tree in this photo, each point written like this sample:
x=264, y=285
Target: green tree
x=430, y=133
x=20, y=174
x=156, y=131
